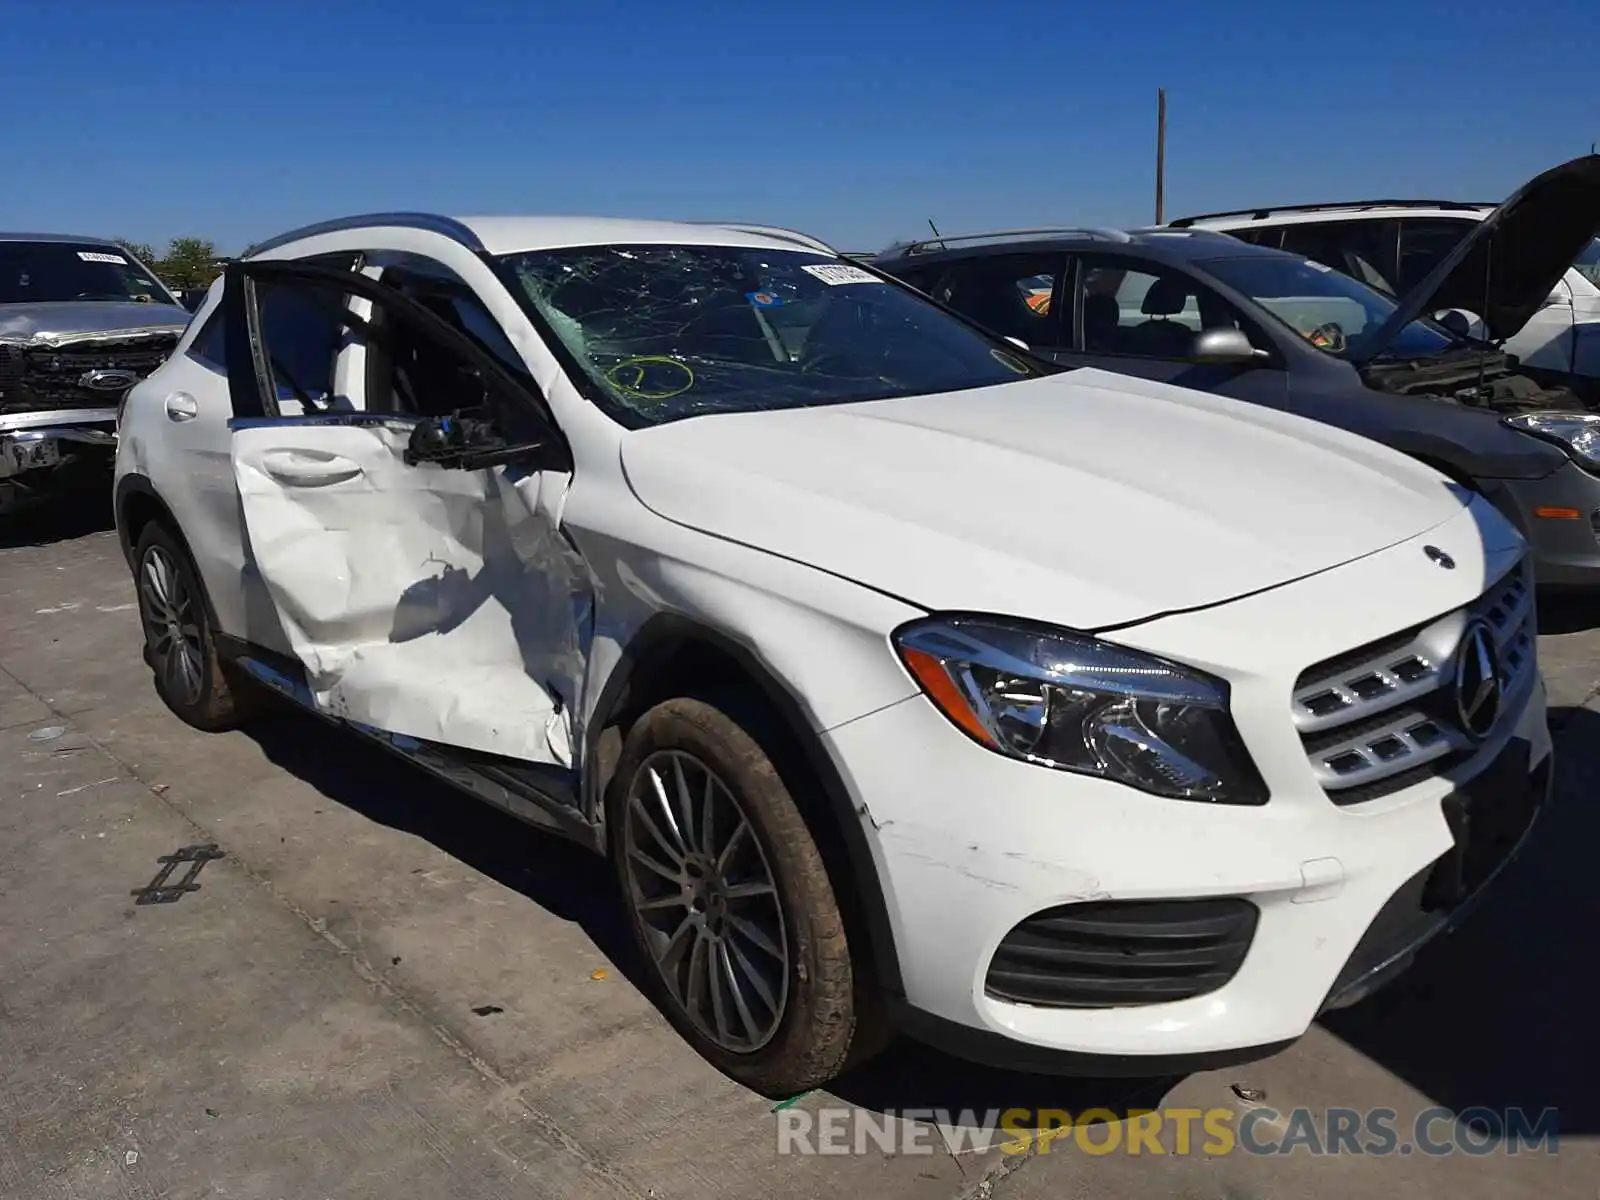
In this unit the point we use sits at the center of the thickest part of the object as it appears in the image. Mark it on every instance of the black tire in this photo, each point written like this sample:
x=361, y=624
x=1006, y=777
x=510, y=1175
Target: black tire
x=816, y=1031
x=209, y=698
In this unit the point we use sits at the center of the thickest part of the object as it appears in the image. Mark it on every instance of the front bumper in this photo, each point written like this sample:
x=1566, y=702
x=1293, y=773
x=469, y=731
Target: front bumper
x=1560, y=517
x=41, y=454
x=969, y=844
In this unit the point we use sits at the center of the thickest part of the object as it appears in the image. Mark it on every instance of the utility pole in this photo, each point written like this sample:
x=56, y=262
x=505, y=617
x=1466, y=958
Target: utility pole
x=1161, y=153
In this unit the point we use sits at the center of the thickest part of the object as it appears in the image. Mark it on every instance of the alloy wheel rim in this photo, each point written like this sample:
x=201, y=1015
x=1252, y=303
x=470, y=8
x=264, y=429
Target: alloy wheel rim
x=171, y=626
x=707, y=901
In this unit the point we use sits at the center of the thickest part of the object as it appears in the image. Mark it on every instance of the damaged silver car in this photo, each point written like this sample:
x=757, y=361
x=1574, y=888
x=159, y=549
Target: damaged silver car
x=81, y=322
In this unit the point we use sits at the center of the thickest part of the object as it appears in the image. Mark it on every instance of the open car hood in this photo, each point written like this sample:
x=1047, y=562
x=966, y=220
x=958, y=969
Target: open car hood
x=1506, y=268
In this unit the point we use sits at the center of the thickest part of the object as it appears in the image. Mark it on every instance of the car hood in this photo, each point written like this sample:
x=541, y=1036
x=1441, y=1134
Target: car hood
x=66, y=321
x=1086, y=499
x=1506, y=268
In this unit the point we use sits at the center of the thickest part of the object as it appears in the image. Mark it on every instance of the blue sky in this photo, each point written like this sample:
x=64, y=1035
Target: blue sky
x=853, y=121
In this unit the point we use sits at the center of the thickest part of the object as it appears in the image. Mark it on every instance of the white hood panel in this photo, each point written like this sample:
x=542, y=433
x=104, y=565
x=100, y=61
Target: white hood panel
x=1086, y=498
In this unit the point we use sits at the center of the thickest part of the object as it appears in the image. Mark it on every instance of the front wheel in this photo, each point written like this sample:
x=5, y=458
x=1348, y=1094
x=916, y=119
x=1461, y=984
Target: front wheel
x=179, y=643
x=729, y=900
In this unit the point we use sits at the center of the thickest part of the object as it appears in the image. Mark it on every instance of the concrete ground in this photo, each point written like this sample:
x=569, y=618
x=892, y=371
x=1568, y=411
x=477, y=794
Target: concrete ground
x=387, y=990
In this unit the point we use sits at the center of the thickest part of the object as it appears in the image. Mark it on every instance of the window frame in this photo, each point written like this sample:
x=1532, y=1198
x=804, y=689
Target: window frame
x=516, y=401
x=1083, y=260
x=1386, y=243
x=950, y=271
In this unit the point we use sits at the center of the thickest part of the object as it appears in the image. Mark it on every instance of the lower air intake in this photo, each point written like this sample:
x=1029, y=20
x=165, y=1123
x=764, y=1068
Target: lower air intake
x=1115, y=953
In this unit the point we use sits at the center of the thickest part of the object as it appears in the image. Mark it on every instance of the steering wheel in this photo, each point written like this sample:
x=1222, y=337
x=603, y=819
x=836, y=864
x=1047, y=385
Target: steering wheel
x=1330, y=336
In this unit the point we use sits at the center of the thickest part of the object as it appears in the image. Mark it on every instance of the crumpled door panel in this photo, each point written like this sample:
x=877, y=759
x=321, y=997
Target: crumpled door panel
x=415, y=596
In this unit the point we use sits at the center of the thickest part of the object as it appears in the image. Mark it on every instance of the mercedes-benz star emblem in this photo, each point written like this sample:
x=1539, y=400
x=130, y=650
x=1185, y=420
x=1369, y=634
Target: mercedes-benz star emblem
x=1440, y=557
x=1477, y=682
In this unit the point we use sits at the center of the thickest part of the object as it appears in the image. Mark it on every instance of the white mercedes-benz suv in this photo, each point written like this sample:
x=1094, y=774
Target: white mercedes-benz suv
x=1061, y=719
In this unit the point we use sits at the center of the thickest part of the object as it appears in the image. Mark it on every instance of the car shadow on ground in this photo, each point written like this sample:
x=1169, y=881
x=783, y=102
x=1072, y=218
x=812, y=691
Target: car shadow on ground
x=567, y=882
x=1499, y=1014
x=1495, y=1015
x=57, y=521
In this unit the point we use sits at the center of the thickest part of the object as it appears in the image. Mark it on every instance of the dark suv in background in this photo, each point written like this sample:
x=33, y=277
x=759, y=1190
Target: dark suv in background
x=1205, y=310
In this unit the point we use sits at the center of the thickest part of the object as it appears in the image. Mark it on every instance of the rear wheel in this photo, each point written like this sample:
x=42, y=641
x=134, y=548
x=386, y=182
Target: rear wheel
x=179, y=642
x=729, y=900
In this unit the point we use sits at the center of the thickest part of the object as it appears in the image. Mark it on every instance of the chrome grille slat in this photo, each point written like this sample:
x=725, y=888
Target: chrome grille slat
x=1397, y=702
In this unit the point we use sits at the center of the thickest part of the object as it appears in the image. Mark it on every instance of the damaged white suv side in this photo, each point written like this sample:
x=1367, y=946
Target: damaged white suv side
x=1062, y=719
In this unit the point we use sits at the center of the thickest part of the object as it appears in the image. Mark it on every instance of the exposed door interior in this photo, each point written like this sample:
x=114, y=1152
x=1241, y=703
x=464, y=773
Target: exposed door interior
x=435, y=602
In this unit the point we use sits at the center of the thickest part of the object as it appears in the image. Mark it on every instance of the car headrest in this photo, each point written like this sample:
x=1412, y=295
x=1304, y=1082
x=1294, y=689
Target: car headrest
x=1167, y=296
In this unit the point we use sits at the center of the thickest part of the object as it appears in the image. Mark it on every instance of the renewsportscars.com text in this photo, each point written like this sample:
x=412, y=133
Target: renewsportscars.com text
x=1433, y=1132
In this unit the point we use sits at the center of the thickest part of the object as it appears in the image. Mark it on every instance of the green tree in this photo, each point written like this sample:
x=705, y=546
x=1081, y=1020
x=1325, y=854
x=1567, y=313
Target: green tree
x=190, y=263
x=145, y=254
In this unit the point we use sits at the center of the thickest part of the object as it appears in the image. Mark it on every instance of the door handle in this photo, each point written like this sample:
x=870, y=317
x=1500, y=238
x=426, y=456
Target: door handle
x=182, y=407
x=301, y=468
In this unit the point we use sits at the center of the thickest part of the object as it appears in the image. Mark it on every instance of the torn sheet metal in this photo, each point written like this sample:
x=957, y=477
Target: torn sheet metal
x=55, y=339
x=56, y=325
x=436, y=604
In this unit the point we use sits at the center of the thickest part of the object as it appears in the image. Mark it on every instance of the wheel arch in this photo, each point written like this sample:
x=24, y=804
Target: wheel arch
x=135, y=503
x=672, y=655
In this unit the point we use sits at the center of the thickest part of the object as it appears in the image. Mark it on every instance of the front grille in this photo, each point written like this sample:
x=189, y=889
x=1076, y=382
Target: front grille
x=1489, y=815
x=1385, y=716
x=40, y=378
x=1107, y=953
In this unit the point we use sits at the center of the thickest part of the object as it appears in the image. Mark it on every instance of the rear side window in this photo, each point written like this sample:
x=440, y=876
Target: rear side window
x=1424, y=244
x=1363, y=250
x=210, y=345
x=1272, y=237
x=1007, y=294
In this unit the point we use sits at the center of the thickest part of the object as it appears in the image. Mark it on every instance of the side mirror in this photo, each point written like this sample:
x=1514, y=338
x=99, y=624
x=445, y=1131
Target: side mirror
x=1216, y=346
x=466, y=442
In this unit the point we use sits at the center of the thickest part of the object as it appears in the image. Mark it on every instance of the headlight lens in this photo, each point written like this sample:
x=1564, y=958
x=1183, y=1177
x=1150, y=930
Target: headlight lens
x=1576, y=433
x=1079, y=704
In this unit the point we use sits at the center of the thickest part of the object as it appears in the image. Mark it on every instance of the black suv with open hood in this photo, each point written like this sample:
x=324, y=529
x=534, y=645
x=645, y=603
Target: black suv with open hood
x=1205, y=310
x=81, y=321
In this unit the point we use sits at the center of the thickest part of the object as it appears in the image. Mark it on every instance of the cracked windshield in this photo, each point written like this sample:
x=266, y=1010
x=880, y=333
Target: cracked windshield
x=668, y=331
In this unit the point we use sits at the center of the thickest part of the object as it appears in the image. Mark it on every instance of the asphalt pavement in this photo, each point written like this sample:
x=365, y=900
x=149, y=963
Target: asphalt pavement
x=384, y=989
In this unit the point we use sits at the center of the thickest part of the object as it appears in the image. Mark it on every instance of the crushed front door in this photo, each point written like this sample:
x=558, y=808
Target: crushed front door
x=435, y=602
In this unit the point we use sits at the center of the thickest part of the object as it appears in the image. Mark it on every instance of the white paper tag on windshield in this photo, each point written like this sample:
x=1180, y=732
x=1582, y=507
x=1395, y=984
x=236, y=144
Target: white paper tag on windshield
x=91, y=256
x=1316, y=266
x=833, y=274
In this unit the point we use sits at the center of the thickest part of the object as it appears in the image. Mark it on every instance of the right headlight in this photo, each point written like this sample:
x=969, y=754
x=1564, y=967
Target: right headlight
x=1076, y=703
x=1576, y=433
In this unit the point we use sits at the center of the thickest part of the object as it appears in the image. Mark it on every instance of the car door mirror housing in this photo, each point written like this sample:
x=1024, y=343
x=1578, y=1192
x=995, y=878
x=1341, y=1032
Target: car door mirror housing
x=470, y=441
x=1223, y=346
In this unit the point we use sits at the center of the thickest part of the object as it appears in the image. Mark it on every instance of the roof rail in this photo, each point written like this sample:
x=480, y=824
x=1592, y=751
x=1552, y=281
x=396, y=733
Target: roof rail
x=928, y=245
x=84, y=239
x=447, y=226
x=1259, y=214
x=774, y=231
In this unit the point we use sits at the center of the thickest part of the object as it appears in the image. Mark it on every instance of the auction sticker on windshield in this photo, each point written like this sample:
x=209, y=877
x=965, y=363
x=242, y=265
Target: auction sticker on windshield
x=833, y=274
x=91, y=256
